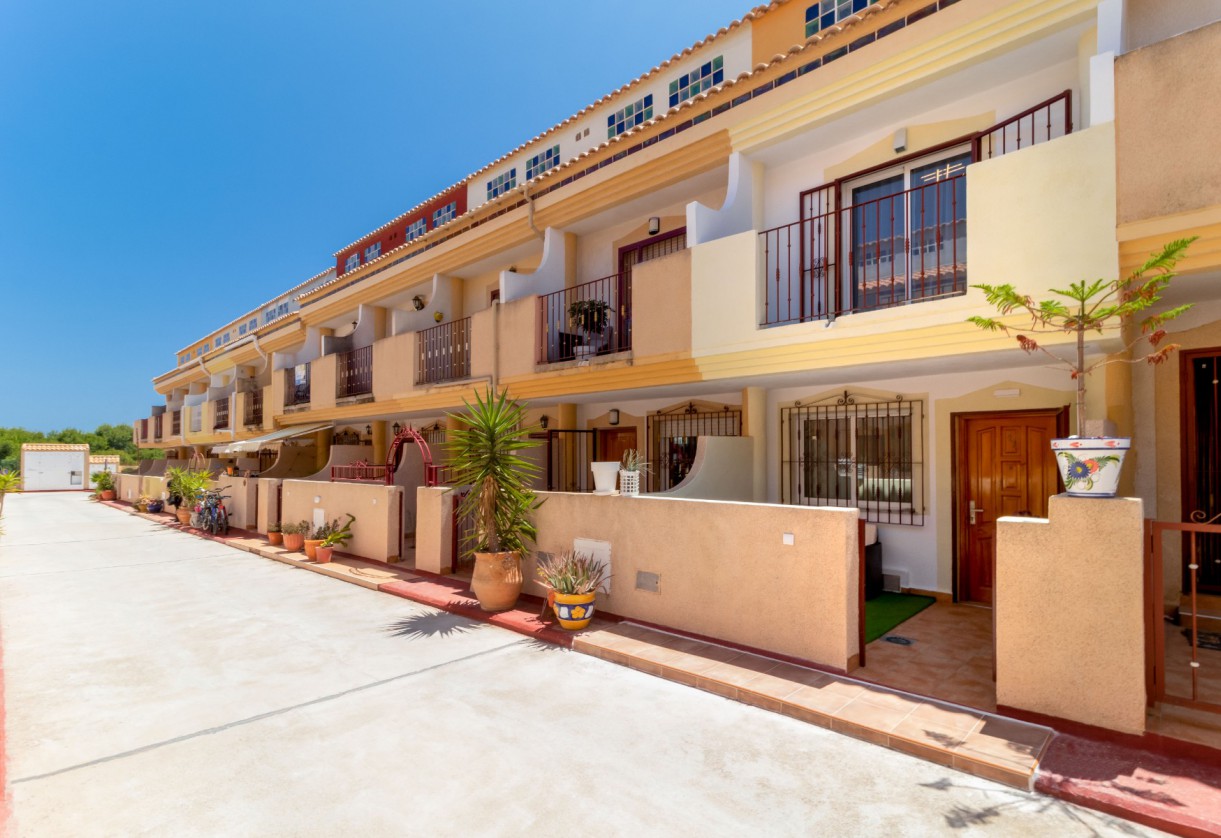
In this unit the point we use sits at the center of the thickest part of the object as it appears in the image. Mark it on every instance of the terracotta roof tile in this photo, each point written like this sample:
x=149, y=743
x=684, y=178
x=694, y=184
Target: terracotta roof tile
x=52, y=446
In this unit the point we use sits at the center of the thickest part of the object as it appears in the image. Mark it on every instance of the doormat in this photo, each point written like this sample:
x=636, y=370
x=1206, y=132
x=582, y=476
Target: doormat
x=887, y=610
x=1208, y=639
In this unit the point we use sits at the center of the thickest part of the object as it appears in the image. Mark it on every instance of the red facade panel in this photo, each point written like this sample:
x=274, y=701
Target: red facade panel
x=393, y=236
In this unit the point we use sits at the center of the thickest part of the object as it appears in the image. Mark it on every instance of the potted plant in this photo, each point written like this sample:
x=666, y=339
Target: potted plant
x=185, y=488
x=486, y=455
x=142, y=503
x=631, y=467
x=105, y=484
x=274, y=536
x=573, y=580
x=156, y=505
x=1090, y=466
x=10, y=481
x=294, y=535
x=588, y=317
x=337, y=536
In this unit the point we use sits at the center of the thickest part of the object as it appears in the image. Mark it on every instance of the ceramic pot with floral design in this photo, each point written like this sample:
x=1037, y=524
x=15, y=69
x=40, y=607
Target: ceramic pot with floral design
x=1090, y=466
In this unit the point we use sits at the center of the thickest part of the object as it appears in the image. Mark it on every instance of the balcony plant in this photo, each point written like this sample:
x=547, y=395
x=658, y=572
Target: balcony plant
x=573, y=580
x=105, y=483
x=336, y=536
x=589, y=317
x=485, y=454
x=1090, y=466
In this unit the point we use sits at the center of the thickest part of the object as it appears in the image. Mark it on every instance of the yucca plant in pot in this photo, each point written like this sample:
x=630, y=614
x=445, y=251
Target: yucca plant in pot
x=485, y=455
x=574, y=580
x=185, y=488
x=1090, y=466
x=105, y=484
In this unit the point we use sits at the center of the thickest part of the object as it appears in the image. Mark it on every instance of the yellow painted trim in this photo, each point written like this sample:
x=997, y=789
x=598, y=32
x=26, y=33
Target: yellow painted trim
x=1017, y=22
x=1139, y=239
x=604, y=378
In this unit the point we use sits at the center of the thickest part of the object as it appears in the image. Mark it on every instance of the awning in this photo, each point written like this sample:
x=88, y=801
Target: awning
x=255, y=443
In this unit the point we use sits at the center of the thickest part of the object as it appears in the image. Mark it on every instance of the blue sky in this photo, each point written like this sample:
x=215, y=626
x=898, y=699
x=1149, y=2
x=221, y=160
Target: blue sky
x=165, y=166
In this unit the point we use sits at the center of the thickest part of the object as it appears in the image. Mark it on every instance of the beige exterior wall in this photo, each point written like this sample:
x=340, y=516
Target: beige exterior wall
x=1167, y=123
x=322, y=382
x=723, y=469
x=729, y=575
x=394, y=366
x=1070, y=630
x=661, y=306
x=375, y=533
x=1153, y=20
x=517, y=341
x=434, y=531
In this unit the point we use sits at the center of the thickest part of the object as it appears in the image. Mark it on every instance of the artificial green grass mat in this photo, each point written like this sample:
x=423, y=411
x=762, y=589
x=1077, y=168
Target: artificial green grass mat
x=887, y=610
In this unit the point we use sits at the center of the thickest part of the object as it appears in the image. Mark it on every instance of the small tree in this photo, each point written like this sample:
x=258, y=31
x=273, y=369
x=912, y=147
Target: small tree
x=1090, y=307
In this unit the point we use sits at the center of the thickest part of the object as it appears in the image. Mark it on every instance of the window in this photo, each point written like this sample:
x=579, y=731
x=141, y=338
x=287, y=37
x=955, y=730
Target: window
x=627, y=118
x=697, y=81
x=908, y=236
x=447, y=212
x=826, y=13
x=254, y=322
x=352, y=263
x=416, y=229
x=241, y=330
x=502, y=183
x=373, y=251
x=544, y=162
x=858, y=452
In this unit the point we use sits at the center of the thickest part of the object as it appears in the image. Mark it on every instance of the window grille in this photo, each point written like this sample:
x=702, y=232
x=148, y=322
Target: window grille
x=673, y=436
x=855, y=450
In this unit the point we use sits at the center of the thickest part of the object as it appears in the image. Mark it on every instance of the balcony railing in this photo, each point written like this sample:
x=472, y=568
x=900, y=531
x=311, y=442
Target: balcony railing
x=359, y=472
x=254, y=408
x=902, y=248
x=444, y=352
x=296, y=385
x=144, y=430
x=222, y=414
x=594, y=318
x=176, y=423
x=1045, y=121
x=354, y=372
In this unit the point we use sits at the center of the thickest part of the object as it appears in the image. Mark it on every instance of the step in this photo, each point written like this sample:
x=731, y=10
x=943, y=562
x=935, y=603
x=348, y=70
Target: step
x=989, y=746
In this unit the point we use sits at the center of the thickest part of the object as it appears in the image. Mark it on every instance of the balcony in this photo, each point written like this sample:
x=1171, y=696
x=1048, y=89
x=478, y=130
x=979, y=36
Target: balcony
x=221, y=419
x=354, y=373
x=594, y=318
x=296, y=386
x=254, y=409
x=144, y=430
x=176, y=423
x=444, y=353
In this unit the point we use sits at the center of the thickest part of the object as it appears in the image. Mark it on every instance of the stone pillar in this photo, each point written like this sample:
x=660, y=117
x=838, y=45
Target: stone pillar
x=434, y=532
x=322, y=448
x=1069, y=612
x=381, y=441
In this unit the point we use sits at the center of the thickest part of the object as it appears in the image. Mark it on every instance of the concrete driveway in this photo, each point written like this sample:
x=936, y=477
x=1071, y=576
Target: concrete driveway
x=160, y=684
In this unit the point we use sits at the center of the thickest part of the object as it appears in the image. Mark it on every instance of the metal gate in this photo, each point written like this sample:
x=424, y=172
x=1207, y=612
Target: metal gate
x=673, y=436
x=1168, y=677
x=569, y=454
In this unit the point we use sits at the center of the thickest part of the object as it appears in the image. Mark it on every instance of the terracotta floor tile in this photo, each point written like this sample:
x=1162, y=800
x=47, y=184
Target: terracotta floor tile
x=866, y=733
x=928, y=733
x=943, y=716
x=780, y=682
x=925, y=751
x=884, y=719
x=818, y=698
x=1015, y=777
x=888, y=700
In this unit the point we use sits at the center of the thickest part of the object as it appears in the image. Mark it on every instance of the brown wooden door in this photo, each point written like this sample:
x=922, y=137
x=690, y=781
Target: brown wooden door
x=1004, y=467
x=612, y=442
x=1201, y=461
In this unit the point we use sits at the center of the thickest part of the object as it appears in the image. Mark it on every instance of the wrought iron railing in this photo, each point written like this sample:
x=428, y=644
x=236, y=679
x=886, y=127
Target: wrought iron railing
x=222, y=414
x=144, y=430
x=296, y=386
x=354, y=372
x=176, y=423
x=444, y=352
x=359, y=471
x=594, y=318
x=254, y=407
x=1045, y=121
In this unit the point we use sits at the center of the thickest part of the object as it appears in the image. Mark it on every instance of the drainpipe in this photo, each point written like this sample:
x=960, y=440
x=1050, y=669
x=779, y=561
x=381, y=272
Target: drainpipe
x=530, y=211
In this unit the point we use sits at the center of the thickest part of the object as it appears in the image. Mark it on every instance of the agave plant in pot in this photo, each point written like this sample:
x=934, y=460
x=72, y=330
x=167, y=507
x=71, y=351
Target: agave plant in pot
x=486, y=456
x=336, y=536
x=1090, y=465
x=631, y=468
x=573, y=580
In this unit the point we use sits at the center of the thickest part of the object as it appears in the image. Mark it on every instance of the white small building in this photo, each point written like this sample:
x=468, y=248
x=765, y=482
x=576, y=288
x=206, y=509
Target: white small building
x=102, y=462
x=49, y=467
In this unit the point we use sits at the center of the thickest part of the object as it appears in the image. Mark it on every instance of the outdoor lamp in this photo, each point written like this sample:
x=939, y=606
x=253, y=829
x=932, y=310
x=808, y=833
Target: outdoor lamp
x=614, y=416
x=417, y=302
x=654, y=226
x=397, y=428
x=542, y=421
x=368, y=430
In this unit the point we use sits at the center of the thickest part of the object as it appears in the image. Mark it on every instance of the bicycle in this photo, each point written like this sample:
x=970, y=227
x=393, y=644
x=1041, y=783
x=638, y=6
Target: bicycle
x=211, y=512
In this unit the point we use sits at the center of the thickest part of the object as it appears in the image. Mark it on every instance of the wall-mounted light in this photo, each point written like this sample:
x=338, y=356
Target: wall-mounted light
x=438, y=316
x=368, y=430
x=654, y=226
x=543, y=421
x=417, y=302
x=614, y=416
x=397, y=428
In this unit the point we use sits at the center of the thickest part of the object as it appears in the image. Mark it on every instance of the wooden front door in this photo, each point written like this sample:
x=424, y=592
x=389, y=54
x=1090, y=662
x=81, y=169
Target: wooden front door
x=1201, y=460
x=1003, y=466
x=612, y=442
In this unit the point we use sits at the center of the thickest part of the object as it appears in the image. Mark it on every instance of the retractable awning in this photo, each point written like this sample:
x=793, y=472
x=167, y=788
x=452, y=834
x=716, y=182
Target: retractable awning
x=255, y=443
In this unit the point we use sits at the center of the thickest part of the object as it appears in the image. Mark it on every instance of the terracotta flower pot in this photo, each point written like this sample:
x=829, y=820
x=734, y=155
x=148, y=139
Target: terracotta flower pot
x=108, y=494
x=184, y=515
x=294, y=541
x=311, y=547
x=275, y=538
x=497, y=580
x=322, y=555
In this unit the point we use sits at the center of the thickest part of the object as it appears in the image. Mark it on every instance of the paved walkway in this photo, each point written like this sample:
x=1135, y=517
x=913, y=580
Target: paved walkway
x=162, y=684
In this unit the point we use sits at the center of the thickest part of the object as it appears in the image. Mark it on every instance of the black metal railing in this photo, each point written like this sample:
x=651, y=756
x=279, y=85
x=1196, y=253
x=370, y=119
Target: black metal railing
x=254, y=407
x=444, y=352
x=176, y=423
x=222, y=414
x=354, y=372
x=593, y=318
